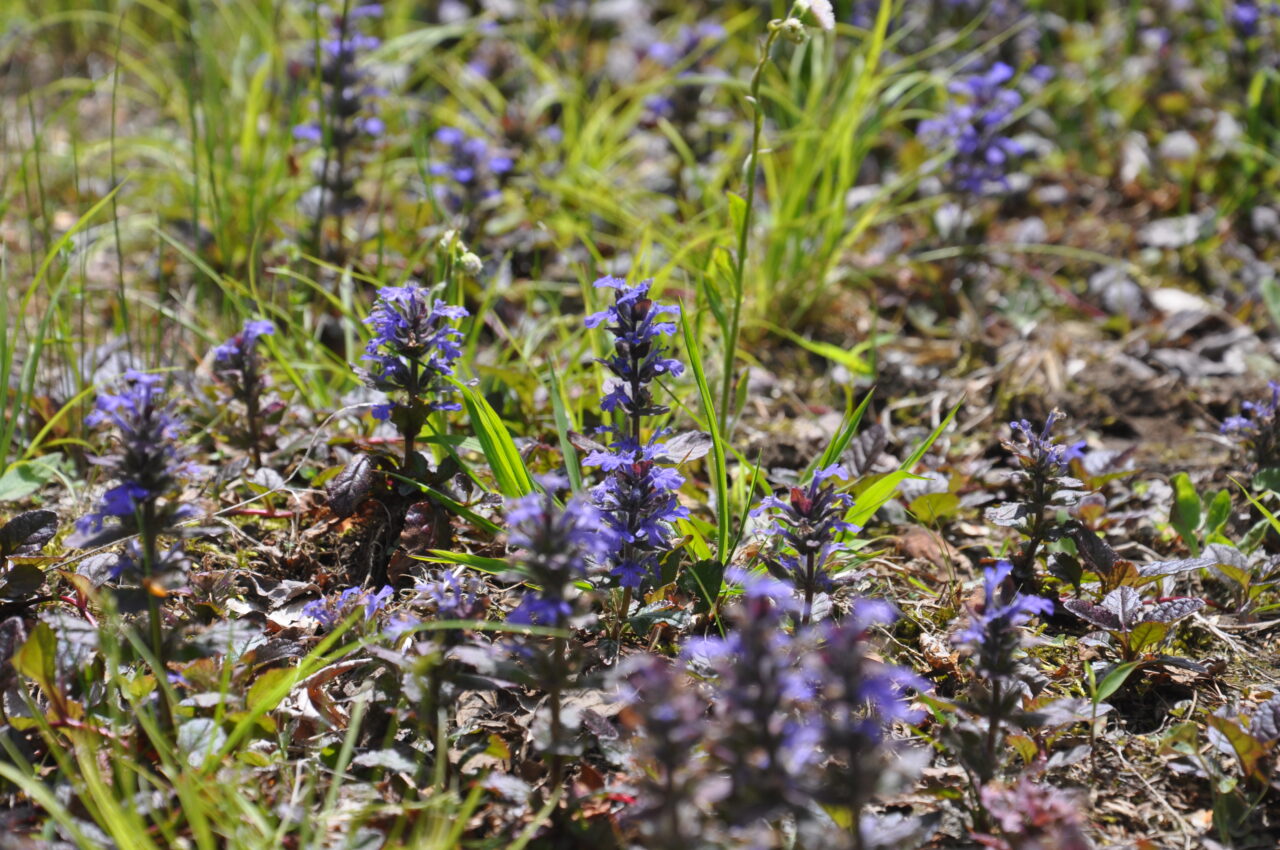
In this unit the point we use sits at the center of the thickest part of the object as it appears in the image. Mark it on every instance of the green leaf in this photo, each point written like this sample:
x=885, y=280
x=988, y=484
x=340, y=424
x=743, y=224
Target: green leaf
x=843, y=436
x=737, y=210
x=1114, y=679
x=932, y=507
x=1146, y=635
x=708, y=576
x=563, y=427
x=37, y=658
x=1184, y=515
x=263, y=694
x=719, y=468
x=496, y=566
x=27, y=476
x=1267, y=479
x=1219, y=513
x=871, y=498
x=499, y=448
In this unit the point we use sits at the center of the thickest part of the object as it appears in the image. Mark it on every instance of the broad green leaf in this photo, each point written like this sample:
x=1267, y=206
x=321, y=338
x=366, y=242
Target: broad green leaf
x=1219, y=512
x=1184, y=515
x=1145, y=635
x=932, y=507
x=37, y=658
x=1114, y=679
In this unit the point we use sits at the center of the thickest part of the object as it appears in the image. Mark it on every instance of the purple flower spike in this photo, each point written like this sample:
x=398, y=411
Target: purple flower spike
x=973, y=128
x=803, y=531
x=993, y=631
x=556, y=545
x=413, y=349
x=146, y=459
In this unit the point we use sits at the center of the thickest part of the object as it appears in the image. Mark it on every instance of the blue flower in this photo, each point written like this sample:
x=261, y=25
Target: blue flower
x=555, y=548
x=973, y=128
x=993, y=631
x=145, y=459
x=414, y=346
x=329, y=611
x=804, y=532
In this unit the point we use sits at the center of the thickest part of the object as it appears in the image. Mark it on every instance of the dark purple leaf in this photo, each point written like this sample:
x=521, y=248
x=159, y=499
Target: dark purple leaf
x=1169, y=568
x=1126, y=604
x=28, y=532
x=1094, y=614
x=13, y=634
x=865, y=448
x=1094, y=551
x=1172, y=610
x=351, y=486
x=1006, y=515
x=21, y=581
x=1265, y=723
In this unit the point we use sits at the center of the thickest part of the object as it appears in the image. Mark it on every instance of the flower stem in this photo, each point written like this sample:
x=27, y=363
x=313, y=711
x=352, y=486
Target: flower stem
x=744, y=232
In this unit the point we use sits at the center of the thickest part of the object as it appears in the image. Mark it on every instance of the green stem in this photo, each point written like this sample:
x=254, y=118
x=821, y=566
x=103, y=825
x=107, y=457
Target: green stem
x=744, y=232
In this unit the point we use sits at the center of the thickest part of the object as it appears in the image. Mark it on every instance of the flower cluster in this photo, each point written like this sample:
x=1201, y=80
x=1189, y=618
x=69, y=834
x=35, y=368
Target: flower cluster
x=689, y=52
x=670, y=717
x=1045, y=487
x=974, y=129
x=1033, y=815
x=994, y=633
x=761, y=737
x=470, y=169
x=556, y=545
x=1039, y=455
x=857, y=698
x=796, y=718
x=1258, y=428
x=238, y=365
x=995, y=639
x=1247, y=16
x=412, y=350
x=346, y=109
x=804, y=529
x=146, y=460
x=329, y=611
x=638, y=495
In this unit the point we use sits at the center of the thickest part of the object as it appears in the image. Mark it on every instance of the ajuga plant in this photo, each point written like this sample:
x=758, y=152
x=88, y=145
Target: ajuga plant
x=555, y=547
x=857, y=698
x=411, y=354
x=1031, y=815
x=345, y=112
x=329, y=611
x=1045, y=487
x=669, y=716
x=469, y=171
x=238, y=366
x=973, y=128
x=638, y=495
x=994, y=638
x=761, y=739
x=804, y=530
x=410, y=357
x=797, y=718
x=149, y=465
x=1257, y=429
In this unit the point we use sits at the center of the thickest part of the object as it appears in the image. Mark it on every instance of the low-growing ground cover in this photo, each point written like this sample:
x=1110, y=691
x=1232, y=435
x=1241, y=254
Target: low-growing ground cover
x=620, y=424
